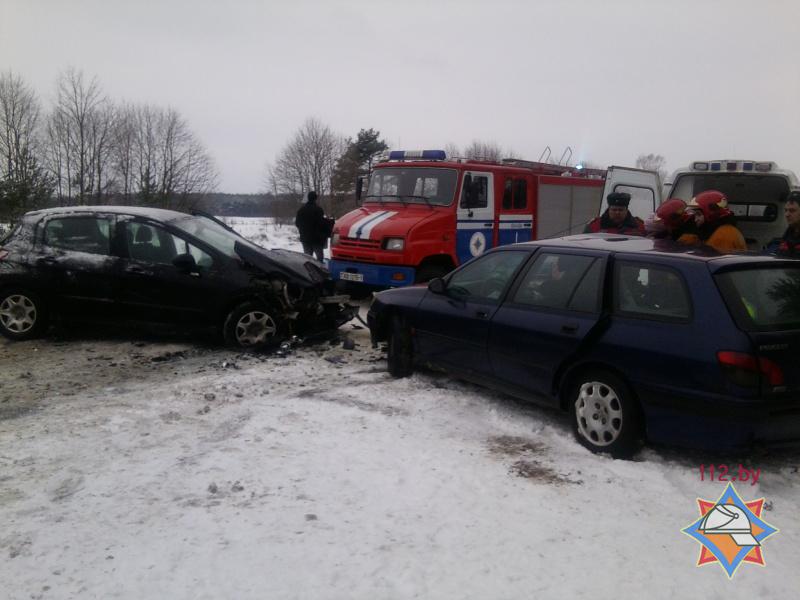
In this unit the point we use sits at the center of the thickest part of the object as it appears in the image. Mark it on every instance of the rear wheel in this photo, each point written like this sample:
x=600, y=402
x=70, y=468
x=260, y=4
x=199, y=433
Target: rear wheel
x=605, y=415
x=23, y=315
x=400, y=351
x=253, y=326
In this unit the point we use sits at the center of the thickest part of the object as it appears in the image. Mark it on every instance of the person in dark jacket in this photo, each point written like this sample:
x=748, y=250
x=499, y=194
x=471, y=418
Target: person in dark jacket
x=617, y=218
x=313, y=227
x=789, y=244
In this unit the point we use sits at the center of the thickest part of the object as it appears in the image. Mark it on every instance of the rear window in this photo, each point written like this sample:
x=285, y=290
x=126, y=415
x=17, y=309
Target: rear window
x=765, y=299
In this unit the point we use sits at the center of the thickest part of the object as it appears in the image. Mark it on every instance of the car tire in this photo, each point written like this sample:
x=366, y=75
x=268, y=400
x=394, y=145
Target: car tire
x=400, y=353
x=606, y=418
x=23, y=314
x=254, y=326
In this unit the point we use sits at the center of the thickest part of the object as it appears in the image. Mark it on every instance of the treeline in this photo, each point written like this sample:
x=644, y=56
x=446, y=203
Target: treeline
x=87, y=149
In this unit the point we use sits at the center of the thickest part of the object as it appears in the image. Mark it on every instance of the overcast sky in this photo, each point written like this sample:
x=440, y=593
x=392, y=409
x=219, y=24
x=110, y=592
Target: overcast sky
x=612, y=79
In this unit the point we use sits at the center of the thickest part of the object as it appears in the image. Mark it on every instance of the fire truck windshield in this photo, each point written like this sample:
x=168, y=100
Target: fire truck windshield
x=412, y=184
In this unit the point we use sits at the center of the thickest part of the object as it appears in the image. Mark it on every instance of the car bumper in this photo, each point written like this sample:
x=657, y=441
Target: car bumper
x=372, y=275
x=721, y=423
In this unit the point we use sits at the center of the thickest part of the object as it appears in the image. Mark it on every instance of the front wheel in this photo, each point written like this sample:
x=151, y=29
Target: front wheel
x=253, y=326
x=400, y=352
x=22, y=314
x=605, y=415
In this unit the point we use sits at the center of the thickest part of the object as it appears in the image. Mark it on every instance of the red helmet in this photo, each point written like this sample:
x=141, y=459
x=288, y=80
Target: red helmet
x=672, y=212
x=713, y=205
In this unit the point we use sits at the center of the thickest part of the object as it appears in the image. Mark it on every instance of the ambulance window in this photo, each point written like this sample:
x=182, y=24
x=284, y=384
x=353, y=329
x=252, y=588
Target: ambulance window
x=507, y=194
x=520, y=193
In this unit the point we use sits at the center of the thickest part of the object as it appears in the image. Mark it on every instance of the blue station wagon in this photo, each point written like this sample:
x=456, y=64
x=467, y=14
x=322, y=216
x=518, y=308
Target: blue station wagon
x=637, y=339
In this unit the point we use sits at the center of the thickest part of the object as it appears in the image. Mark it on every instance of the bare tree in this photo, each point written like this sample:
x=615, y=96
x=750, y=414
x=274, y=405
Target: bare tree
x=452, y=150
x=23, y=184
x=485, y=151
x=158, y=159
x=308, y=161
x=79, y=136
x=653, y=162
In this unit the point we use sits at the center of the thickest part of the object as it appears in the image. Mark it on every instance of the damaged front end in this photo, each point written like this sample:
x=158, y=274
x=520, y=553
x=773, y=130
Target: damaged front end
x=300, y=288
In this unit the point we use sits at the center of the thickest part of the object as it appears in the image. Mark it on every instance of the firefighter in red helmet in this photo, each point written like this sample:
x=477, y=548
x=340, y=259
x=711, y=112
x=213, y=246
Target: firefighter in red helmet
x=677, y=223
x=716, y=223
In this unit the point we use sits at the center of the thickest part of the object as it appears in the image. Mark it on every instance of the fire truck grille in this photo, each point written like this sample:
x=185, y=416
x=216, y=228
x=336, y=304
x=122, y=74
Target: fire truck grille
x=345, y=256
x=361, y=244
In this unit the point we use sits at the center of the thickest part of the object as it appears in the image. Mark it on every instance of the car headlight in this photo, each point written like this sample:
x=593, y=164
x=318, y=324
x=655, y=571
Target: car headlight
x=396, y=244
x=335, y=239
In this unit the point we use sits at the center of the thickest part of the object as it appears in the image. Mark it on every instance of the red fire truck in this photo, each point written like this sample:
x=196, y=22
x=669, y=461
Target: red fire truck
x=424, y=214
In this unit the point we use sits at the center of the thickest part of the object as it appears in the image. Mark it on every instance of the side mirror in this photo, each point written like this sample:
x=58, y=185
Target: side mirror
x=185, y=263
x=437, y=285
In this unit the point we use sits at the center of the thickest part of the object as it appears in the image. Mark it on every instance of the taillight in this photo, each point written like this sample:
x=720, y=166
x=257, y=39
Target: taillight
x=745, y=369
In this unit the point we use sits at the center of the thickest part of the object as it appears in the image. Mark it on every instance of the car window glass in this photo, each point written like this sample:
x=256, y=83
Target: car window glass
x=763, y=299
x=485, y=278
x=153, y=244
x=480, y=189
x=552, y=280
x=79, y=234
x=520, y=193
x=650, y=291
x=587, y=295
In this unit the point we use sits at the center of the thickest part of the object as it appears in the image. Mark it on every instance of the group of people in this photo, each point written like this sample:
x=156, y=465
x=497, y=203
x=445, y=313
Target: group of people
x=706, y=219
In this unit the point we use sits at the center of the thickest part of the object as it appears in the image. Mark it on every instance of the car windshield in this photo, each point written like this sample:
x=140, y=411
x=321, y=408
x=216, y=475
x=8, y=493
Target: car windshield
x=764, y=299
x=418, y=185
x=211, y=233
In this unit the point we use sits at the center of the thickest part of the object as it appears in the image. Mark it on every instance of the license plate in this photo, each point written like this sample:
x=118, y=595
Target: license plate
x=351, y=276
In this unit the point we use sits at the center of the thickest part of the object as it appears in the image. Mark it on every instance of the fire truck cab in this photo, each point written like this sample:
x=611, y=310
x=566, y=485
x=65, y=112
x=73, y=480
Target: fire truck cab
x=424, y=214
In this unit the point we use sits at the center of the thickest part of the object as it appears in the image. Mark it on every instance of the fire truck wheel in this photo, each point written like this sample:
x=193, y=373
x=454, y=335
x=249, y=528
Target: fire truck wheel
x=400, y=351
x=605, y=415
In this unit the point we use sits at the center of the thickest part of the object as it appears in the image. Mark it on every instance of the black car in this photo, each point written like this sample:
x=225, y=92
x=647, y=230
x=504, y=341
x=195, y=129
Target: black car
x=151, y=265
x=636, y=338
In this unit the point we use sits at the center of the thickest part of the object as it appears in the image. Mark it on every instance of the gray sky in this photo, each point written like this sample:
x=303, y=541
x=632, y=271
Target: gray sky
x=612, y=79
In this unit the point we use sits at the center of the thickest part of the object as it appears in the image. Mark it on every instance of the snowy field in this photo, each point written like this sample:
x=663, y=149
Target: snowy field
x=142, y=468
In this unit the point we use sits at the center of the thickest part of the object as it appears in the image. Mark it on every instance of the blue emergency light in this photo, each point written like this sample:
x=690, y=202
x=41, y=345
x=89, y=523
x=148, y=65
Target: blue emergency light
x=417, y=154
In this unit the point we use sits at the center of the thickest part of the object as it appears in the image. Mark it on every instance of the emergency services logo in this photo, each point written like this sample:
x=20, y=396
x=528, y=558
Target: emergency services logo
x=730, y=531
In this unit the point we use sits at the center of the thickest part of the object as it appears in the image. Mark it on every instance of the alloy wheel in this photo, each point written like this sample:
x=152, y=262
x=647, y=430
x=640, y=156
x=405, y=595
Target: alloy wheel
x=18, y=313
x=598, y=411
x=255, y=328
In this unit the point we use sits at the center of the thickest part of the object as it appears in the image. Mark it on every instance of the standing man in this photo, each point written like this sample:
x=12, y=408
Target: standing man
x=313, y=227
x=617, y=218
x=790, y=242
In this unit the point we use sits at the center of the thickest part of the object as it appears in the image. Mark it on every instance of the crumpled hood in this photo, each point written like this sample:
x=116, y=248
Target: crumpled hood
x=286, y=262
x=377, y=222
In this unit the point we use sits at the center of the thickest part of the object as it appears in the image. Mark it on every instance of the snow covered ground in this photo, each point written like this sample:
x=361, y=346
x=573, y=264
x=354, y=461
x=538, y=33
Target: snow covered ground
x=170, y=469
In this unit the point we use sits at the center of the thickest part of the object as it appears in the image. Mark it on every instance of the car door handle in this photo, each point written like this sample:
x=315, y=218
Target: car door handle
x=47, y=260
x=569, y=327
x=134, y=270
x=481, y=314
